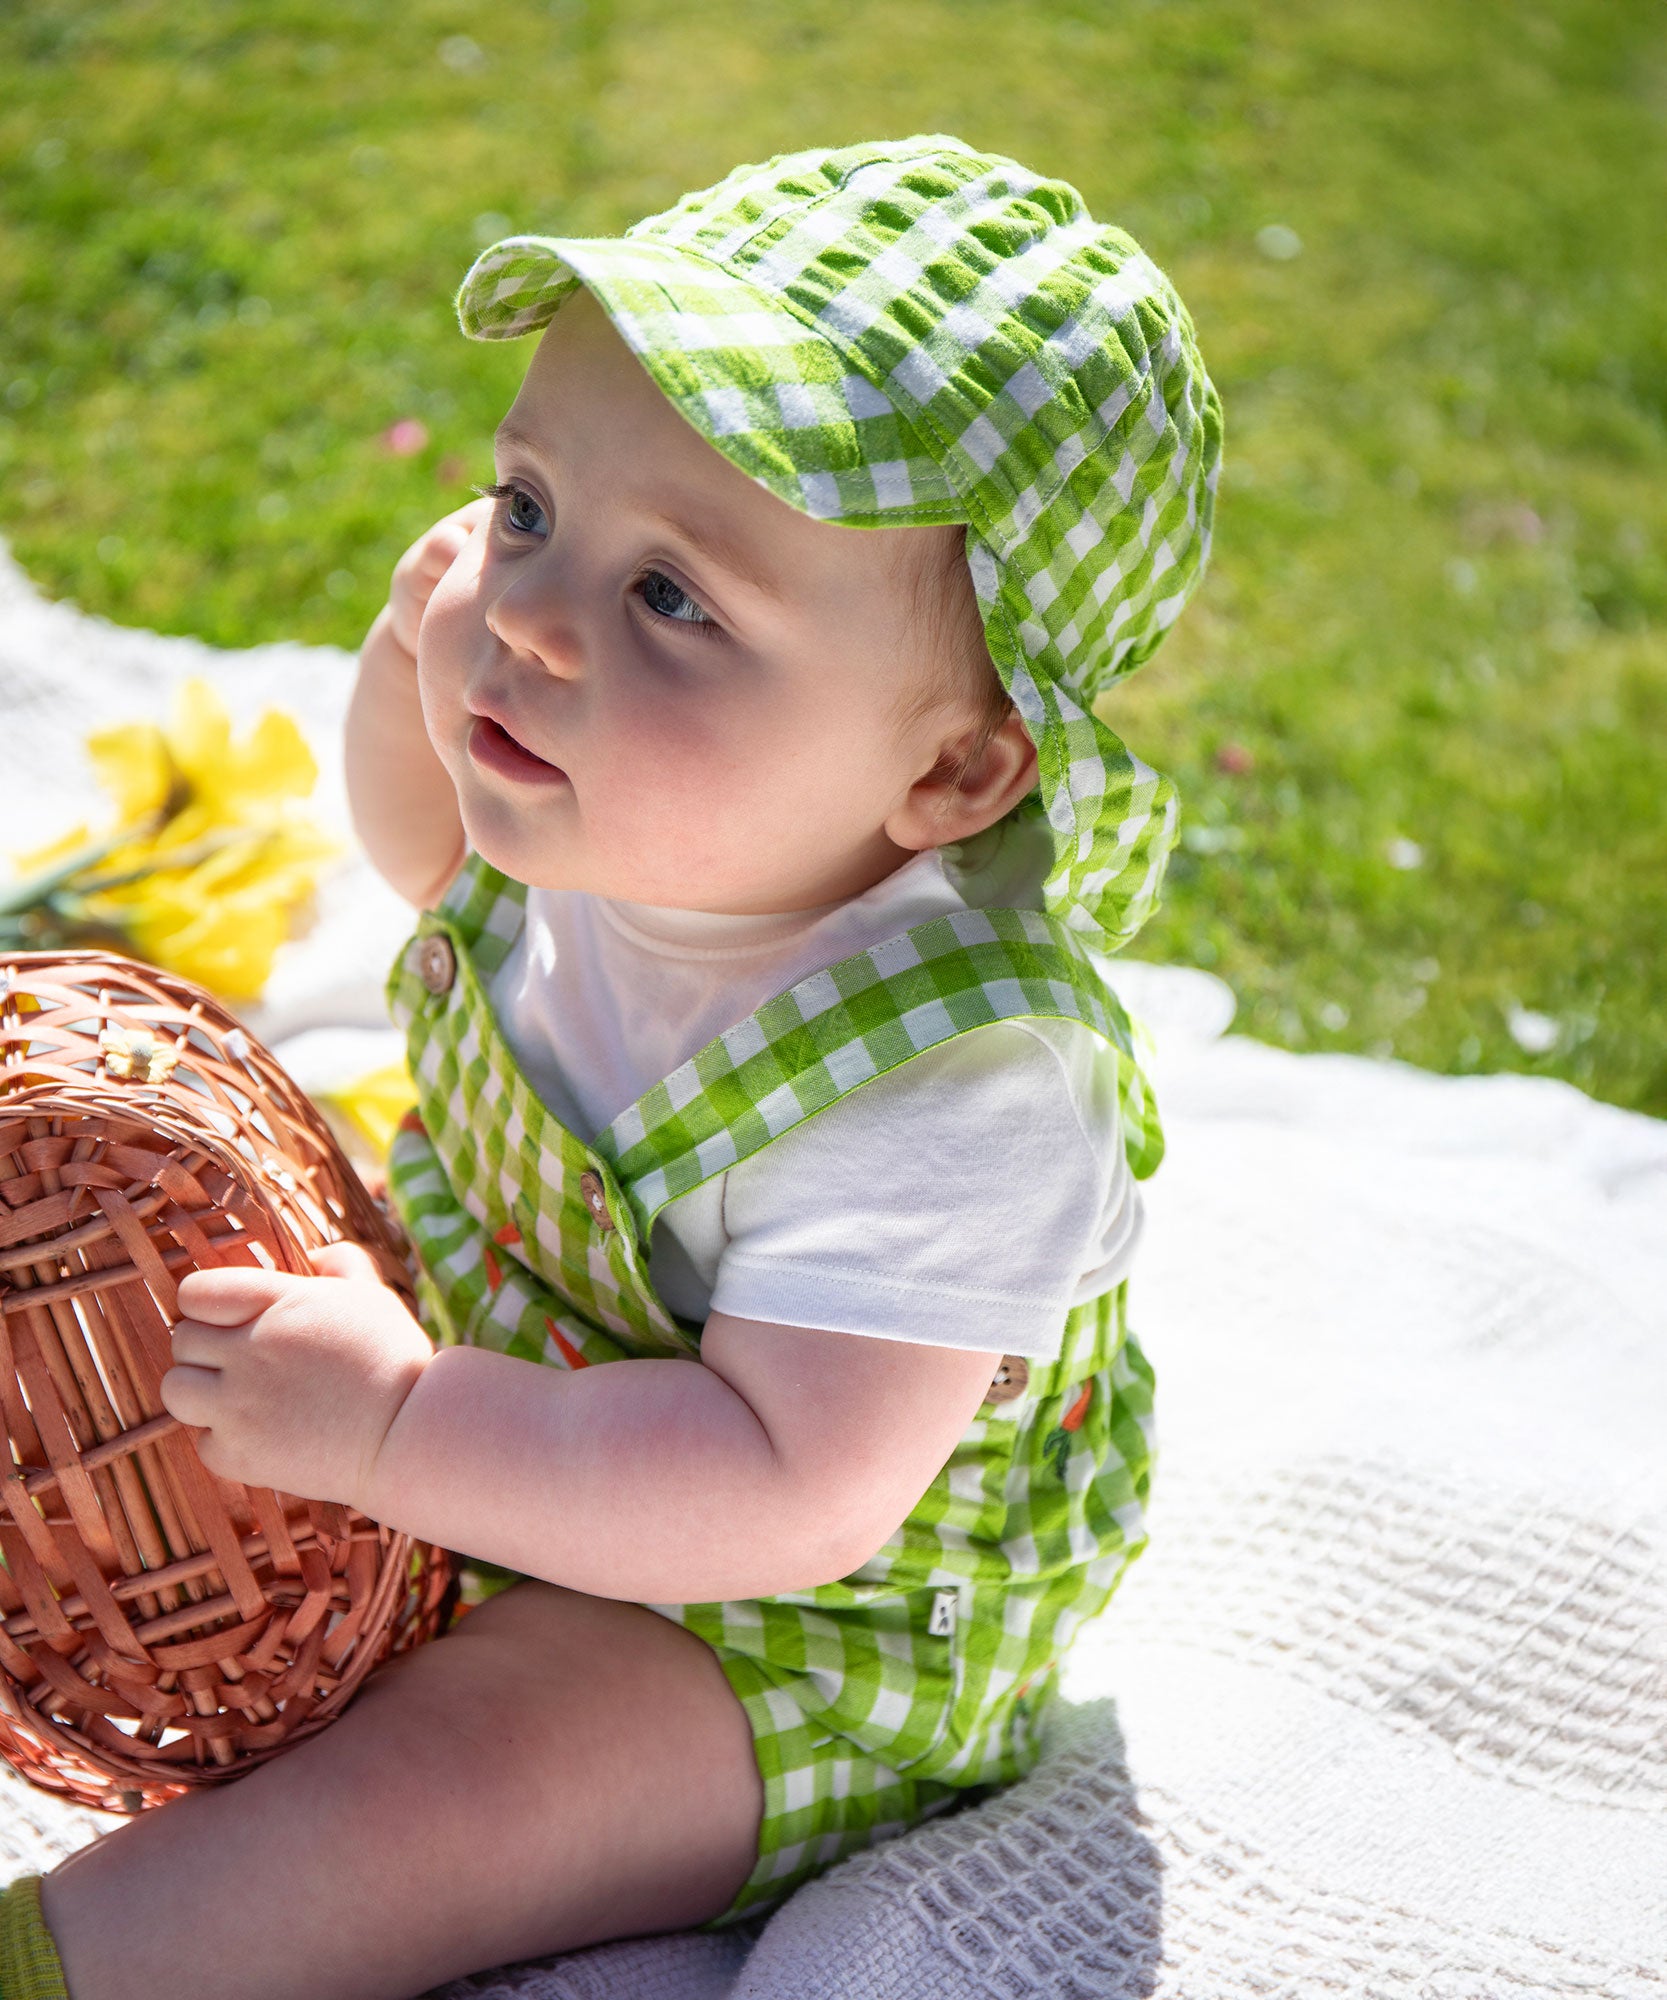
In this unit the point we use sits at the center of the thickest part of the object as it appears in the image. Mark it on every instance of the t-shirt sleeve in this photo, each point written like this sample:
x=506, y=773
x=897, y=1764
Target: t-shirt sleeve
x=966, y=1199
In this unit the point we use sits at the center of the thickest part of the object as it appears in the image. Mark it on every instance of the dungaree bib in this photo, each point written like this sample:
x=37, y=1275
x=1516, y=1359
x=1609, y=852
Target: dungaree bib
x=881, y=1698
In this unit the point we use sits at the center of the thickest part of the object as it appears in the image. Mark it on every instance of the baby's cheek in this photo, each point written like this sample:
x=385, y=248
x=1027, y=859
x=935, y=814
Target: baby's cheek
x=677, y=748
x=832, y=780
x=686, y=794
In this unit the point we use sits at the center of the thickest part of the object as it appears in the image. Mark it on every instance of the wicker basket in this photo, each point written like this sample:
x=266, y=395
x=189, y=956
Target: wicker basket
x=161, y=1627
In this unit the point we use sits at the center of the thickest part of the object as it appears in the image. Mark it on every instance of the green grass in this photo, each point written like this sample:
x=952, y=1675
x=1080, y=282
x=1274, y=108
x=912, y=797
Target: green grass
x=229, y=234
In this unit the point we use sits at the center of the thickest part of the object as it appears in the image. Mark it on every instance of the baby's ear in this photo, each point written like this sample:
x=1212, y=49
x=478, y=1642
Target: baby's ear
x=980, y=775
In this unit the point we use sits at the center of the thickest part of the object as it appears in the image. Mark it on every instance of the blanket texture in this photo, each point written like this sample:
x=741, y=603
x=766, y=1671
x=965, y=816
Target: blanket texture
x=1382, y=1713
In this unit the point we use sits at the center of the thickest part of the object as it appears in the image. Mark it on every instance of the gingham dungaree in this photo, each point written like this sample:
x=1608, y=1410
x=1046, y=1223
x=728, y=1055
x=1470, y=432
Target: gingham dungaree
x=881, y=1698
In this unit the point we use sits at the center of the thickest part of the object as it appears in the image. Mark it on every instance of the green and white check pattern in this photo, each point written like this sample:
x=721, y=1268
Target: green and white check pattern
x=874, y=1699
x=839, y=1027
x=912, y=332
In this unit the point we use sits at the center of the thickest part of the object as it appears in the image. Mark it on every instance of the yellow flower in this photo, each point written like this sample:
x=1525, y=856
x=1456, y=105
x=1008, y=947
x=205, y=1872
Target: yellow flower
x=215, y=862
x=14, y=1004
x=372, y=1105
x=134, y=767
x=221, y=921
x=227, y=779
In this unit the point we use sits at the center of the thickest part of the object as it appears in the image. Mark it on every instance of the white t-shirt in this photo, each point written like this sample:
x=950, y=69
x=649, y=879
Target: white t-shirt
x=967, y=1198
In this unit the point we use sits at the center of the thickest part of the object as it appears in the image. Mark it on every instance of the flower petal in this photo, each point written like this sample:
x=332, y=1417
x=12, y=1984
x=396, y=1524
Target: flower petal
x=134, y=767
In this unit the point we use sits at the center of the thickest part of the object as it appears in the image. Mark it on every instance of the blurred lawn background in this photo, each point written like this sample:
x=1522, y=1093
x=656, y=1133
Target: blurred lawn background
x=1418, y=713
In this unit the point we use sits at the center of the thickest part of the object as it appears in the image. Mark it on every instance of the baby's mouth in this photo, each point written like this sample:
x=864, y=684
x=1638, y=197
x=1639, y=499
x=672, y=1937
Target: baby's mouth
x=493, y=748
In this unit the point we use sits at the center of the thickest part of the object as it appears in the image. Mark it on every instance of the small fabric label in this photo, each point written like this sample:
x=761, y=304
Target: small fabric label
x=943, y=1614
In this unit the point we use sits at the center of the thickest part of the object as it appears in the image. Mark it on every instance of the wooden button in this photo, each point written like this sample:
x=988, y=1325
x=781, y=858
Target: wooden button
x=596, y=1200
x=1012, y=1379
x=436, y=963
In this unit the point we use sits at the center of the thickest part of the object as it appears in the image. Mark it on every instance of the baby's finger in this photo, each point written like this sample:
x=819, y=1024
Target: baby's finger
x=345, y=1260
x=444, y=543
x=203, y=1346
x=473, y=512
x=189, y=1394
x=435, y=551
x=464, y=516
x=437, y=557
x=231, y=1295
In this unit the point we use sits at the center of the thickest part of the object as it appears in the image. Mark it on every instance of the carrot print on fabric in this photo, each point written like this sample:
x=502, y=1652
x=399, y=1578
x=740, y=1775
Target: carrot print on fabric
x=569, y=1353
x=1056, y=1447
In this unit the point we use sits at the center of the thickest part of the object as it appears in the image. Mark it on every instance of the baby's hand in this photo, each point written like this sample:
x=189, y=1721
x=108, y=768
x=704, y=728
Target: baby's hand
x=294, y=1381
x=422, y=566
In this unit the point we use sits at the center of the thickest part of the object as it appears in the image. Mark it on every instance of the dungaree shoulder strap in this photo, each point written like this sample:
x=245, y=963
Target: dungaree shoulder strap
x=841, y=1027
x=487, y=907
x=831, y=1033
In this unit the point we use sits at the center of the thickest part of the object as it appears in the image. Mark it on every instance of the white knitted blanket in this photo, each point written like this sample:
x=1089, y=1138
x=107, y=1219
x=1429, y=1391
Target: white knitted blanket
x=1382, y=1713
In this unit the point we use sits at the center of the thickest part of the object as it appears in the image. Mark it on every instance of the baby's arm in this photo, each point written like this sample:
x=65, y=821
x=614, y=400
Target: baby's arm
x=783, y=1458
x=403, y=803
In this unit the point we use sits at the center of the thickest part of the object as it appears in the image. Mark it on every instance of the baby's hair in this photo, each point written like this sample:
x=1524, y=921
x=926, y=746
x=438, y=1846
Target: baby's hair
x=949, y=632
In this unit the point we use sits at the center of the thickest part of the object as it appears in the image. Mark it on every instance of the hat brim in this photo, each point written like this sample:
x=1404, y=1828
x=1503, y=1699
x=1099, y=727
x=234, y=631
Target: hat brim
x=762, y=386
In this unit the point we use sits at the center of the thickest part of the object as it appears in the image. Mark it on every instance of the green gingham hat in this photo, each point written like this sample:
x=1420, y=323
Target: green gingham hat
x=914, y=332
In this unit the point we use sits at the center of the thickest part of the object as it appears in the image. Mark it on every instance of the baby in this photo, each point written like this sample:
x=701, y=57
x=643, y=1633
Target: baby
x=738, y=755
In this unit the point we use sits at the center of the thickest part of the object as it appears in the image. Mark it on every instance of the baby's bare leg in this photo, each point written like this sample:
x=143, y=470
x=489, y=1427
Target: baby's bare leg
x=557, y=1770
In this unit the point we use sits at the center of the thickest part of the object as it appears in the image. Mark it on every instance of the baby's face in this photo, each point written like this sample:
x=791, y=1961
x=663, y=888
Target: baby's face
x=651, y=679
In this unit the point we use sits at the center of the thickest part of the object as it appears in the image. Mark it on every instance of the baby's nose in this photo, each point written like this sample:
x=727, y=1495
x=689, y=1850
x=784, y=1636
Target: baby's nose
x=539, y=627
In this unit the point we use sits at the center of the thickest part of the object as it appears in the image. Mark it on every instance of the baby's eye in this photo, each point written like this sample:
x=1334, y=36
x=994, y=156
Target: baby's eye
x=670, y=600
x=519, y=501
